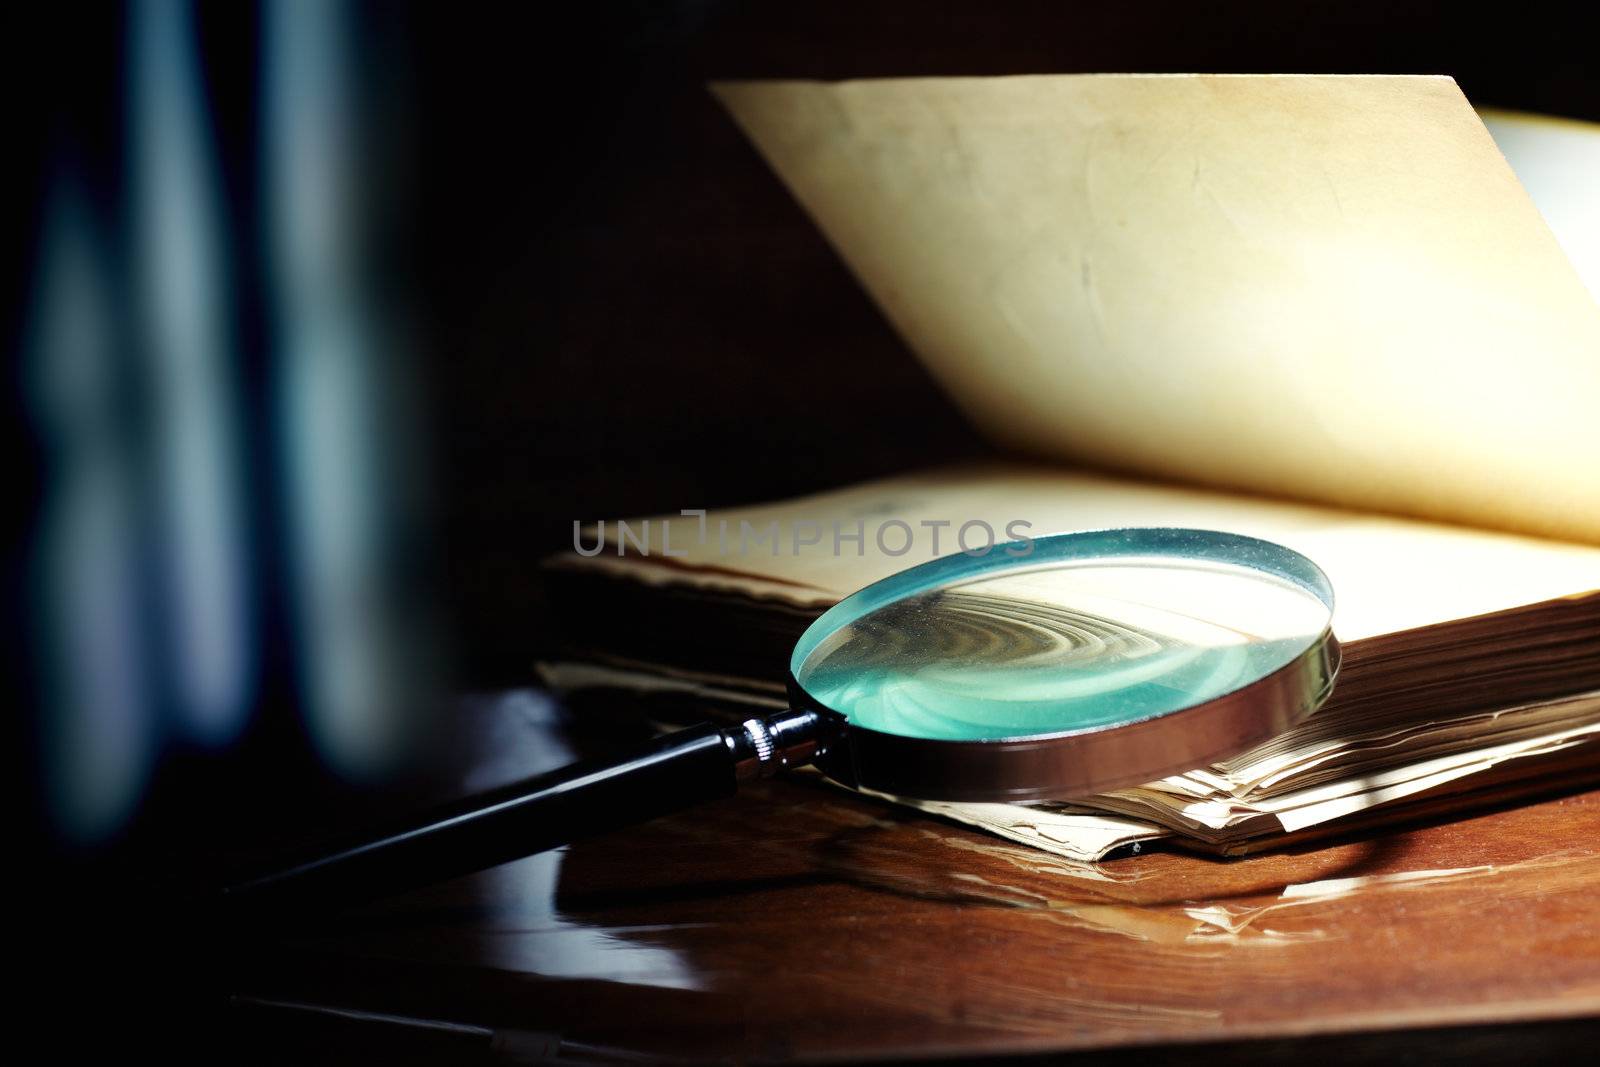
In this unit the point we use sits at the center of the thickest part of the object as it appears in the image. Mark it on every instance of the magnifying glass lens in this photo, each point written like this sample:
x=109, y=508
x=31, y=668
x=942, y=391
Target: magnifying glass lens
x=1015, y=647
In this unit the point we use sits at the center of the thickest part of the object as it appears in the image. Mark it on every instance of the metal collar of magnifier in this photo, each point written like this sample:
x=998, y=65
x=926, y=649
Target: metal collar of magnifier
x=1080, y=763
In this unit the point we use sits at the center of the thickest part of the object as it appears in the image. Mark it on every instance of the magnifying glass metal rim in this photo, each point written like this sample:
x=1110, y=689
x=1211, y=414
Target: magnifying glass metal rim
x=1089, y=760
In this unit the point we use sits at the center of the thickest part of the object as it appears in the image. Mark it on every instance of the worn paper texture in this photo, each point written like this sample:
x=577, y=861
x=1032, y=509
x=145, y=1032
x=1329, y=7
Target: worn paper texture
x=1390, y=575
x=1321, y=287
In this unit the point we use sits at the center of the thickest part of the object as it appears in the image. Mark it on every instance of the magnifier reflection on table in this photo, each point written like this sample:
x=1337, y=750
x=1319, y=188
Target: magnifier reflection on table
x=1045, y=670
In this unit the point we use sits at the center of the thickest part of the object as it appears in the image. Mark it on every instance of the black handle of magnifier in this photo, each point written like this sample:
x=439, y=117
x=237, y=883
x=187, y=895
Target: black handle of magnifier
x=671, y=772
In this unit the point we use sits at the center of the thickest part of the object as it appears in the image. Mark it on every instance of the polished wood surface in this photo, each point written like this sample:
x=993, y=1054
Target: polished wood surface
x=799, y=923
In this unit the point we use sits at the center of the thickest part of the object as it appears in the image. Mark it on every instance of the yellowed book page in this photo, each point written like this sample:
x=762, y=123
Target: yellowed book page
x=1323, y=287
x=1388, y=574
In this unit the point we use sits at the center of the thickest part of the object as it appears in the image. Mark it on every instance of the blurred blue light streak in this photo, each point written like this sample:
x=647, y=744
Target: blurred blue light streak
x=98, y=734
x=220, y=490
x=181, y=278
x=333, y=386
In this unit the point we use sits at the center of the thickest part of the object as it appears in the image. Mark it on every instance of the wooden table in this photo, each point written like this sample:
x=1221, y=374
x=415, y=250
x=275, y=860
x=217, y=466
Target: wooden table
x=797, y=923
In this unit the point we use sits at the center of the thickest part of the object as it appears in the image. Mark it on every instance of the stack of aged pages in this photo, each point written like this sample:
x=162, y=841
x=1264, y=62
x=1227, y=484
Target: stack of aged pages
x=1319, y=310
x=1471, y=657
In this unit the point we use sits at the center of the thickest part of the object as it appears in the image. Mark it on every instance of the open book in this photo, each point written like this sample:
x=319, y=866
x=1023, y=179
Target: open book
x=1319, y=310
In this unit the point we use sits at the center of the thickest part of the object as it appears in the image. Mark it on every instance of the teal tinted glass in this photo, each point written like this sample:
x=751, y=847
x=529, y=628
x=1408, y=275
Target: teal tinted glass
x=1081, y=631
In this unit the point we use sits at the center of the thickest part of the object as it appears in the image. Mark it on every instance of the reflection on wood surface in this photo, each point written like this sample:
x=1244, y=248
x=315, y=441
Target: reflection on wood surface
x=795, y=921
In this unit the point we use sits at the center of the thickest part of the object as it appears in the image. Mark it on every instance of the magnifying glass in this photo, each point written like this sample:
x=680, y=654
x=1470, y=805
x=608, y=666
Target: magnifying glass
x=1050, y=669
